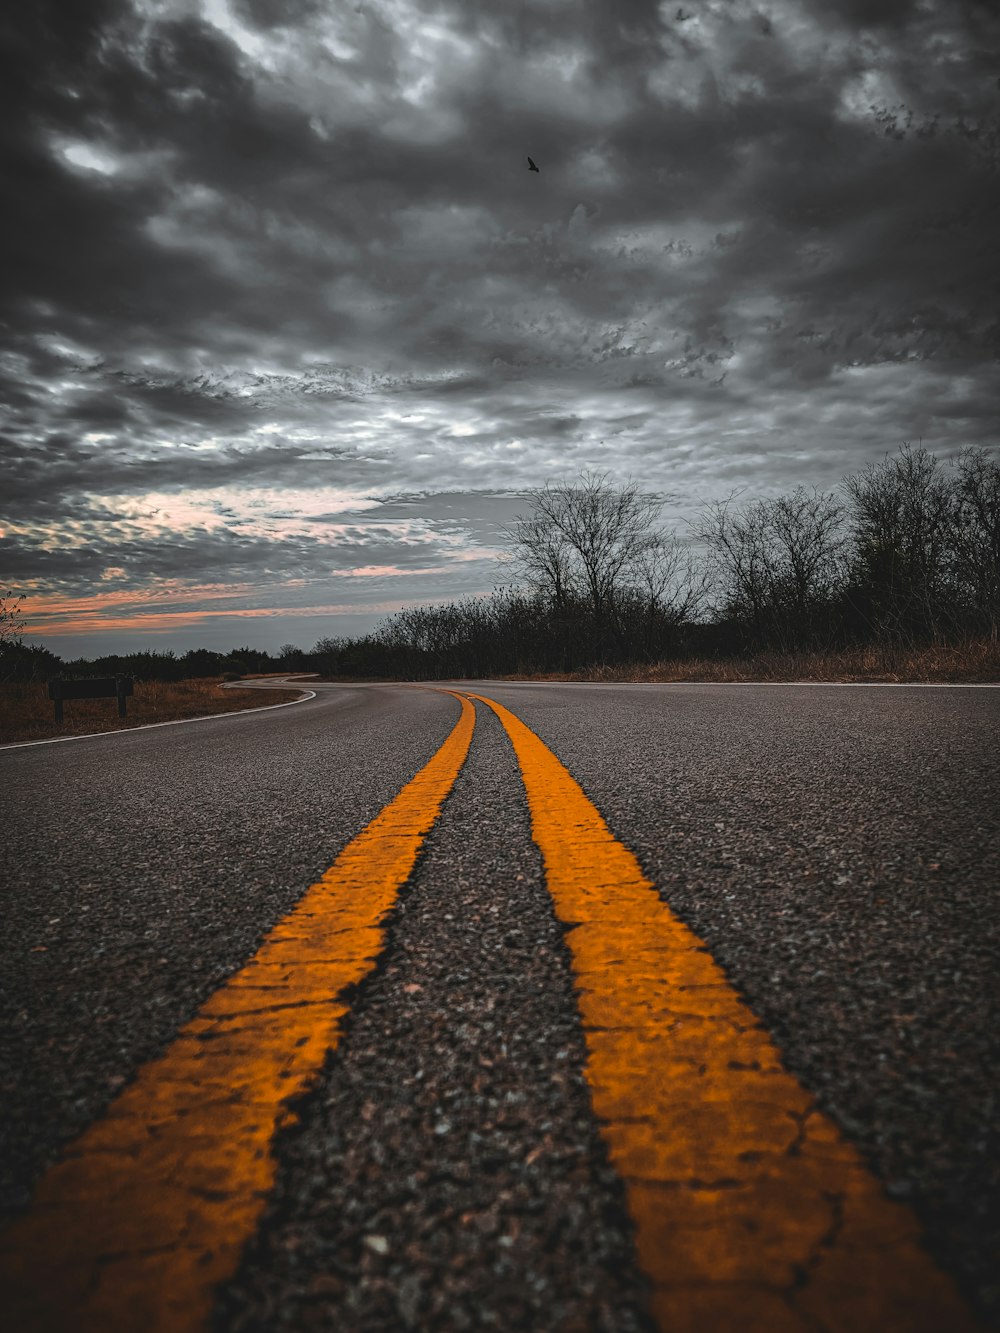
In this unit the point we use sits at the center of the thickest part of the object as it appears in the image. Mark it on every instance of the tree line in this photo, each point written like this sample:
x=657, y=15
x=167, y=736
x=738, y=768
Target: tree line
x=25, y=662
x=903, y=554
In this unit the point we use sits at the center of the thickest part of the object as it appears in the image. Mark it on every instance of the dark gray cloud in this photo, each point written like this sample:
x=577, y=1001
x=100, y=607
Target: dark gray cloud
x=274, y=264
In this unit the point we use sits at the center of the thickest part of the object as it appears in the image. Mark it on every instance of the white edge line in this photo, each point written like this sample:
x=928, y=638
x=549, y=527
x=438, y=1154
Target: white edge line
x=857, y=684
x=174, y=722
x=842, y=684
x=772, y=684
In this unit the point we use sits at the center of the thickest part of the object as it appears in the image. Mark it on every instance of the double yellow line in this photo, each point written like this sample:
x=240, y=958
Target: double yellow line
x=750, y=1210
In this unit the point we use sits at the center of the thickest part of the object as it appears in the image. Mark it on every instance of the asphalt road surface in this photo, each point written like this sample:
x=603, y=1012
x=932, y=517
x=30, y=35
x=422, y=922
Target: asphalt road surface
x=525, y=1096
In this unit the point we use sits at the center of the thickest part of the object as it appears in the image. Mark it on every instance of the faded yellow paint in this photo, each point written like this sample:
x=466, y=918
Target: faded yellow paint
x=151, y=1206
x=751, y=1211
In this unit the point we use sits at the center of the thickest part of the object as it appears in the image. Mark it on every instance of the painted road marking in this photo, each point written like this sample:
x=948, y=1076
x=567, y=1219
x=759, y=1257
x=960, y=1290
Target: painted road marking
x=152, y=1205
x=752, y=1213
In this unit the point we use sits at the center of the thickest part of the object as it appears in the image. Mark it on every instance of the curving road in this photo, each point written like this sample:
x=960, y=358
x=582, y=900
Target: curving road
x=836, y=850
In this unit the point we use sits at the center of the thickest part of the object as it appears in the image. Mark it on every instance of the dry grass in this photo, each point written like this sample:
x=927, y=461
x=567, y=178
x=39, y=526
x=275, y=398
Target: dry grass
x=971, y=663
x=26, y=712
x=272, y=675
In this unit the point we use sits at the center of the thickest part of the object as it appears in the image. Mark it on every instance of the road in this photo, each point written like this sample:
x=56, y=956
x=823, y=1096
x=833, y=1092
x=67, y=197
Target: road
x=705, y=1036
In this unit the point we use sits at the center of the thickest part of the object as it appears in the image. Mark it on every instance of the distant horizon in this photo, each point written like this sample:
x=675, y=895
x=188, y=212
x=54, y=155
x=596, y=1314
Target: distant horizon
x=71, y=646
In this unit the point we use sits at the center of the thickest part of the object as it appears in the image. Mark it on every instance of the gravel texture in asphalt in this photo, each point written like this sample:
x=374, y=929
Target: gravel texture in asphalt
x=141, y=868
x=446, y=1172
x=839, y=852
x=837, y=849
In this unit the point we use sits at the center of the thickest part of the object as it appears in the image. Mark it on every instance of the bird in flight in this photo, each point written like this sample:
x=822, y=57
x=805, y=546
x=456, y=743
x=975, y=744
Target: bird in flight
x=531, y=165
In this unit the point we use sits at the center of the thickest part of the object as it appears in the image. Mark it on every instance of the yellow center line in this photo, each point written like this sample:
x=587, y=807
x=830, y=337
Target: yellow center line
x=751, y=1211
x=151, y=1206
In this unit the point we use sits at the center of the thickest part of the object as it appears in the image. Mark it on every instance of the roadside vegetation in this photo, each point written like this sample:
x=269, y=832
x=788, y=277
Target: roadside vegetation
x=893, y=576
x=970, y=663
x=26, y=712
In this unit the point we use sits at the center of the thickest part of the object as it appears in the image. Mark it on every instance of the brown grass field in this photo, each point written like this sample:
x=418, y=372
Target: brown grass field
x=971, y=663
x=26, y=712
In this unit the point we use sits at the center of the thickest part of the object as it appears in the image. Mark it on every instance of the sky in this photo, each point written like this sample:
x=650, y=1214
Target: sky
x=289, y=330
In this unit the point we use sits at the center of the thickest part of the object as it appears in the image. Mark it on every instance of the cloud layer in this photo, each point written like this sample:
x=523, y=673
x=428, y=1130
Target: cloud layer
x=288, y=317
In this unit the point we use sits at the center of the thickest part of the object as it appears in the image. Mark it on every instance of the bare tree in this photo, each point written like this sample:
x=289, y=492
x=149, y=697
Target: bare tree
x=542, y=556
x=671, y=583
x=807, y=533
x=11, y=617
x=976, y=535
x=737, y=547
x=901, y=522
x=777, y=564
x=291, y=657
x=584, y=536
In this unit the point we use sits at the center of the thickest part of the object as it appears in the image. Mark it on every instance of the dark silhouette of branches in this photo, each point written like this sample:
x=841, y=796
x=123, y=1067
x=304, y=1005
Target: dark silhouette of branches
x=590, y=541
x=777, y=566
x=976, y=537
x=901, y=514
x=11, y=617
x=672, y=587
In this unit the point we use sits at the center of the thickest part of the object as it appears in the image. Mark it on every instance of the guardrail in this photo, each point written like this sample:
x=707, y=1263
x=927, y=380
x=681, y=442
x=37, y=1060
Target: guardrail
x=104, y=687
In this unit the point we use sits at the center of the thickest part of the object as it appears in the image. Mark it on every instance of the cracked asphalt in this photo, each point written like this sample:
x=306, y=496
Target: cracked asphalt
x=141, y=868
x=446, y=1172
x=837, y=849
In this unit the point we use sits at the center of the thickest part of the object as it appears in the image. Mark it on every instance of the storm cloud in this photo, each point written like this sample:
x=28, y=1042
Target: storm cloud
x=287, y=314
